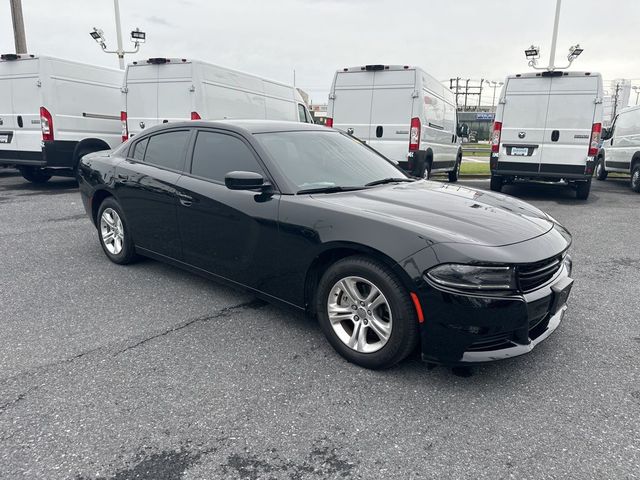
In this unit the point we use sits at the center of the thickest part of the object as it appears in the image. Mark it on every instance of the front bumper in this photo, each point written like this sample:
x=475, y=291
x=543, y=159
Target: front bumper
x=464, y=328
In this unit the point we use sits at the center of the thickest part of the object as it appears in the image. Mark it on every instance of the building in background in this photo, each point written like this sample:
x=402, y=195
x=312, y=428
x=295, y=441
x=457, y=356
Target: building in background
x=319, y=113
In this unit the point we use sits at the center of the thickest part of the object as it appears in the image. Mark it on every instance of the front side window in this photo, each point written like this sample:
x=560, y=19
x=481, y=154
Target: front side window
x=167, y=149
x=217, y=154
x=319, y=159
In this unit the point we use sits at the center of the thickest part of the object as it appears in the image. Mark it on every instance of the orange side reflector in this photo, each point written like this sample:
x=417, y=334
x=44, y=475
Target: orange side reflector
x=416, y=303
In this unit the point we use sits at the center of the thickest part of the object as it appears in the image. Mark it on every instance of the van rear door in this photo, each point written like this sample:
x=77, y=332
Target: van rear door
x=352, y=103
x=570, y=117
x=391, y=112
x=175, y=92
x=142, y=97
x=523, y=123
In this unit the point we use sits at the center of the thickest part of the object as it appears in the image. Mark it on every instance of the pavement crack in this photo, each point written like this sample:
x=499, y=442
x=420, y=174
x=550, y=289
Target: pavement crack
x=253, y=304
x=16, y=400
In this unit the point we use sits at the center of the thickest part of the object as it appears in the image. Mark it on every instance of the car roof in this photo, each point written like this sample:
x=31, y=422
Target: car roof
x=243, y=126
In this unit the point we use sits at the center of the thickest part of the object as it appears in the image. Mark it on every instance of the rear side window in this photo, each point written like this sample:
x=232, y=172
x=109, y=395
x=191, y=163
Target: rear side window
x=217, y=154
x=302, y=115
x=167, y=149
x=139, y=149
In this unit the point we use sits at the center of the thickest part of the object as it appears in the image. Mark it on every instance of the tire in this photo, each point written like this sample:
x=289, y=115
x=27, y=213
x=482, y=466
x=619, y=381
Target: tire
x=496, y=183
x=395, y=314
x=35, y=175
x=583, y=189
x=455, y=173
x=111, y=220
x=601, y=173
x=635, y=178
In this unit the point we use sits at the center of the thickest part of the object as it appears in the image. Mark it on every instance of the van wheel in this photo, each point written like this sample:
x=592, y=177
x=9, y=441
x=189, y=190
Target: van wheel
x=34, y=174
x=601, y=173
x=496, y=183
x=635, y=178
x=366, y=313
x=455, y=173
x=583, y=189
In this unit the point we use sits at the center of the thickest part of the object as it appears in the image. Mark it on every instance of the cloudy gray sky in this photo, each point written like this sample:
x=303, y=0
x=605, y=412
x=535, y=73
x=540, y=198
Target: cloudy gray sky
x=448, y=38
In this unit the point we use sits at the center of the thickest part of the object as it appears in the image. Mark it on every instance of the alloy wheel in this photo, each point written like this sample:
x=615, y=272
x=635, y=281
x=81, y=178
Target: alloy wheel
x=112, y=231
x=359, y=314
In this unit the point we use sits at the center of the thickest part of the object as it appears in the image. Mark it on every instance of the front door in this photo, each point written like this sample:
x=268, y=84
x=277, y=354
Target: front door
x=231, y=233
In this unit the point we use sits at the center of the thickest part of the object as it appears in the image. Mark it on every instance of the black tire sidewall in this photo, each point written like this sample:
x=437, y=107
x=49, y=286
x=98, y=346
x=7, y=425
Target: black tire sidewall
x=405, y=325
x=127, y=254
x=496, y=183
x=635, y=187
x=601, y=173
x=455, y=174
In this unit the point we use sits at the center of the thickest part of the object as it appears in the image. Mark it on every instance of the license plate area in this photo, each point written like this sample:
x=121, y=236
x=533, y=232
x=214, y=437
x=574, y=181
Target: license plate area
x=6, y=137
x=520, y=150
x=561, y=291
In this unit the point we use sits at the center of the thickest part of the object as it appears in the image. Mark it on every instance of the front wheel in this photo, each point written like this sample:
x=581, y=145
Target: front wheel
x=35, y=174
x=635, y=178
x=601, y=173
x=496, y=183
x=455, y=173
x=583, y=189
x=114, y=234
x=366, y=313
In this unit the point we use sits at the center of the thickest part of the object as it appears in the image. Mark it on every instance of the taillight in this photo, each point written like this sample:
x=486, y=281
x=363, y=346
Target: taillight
x=594, y=144
x=123, y=125
x=329, y=122
x=414, y=134
x=495, y=137
x=195, y=116
x=46, y=125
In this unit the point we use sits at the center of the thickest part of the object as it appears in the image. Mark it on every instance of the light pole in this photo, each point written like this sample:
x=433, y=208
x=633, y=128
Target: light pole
x=137, y=37
x=495, y=85
x=19, y=37
x=637, y=90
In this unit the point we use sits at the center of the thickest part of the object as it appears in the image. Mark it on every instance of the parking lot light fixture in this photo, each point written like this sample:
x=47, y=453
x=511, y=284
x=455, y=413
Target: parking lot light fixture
x=574, y=52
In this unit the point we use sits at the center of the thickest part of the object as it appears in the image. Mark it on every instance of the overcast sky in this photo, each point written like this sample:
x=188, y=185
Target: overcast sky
x=448, y=38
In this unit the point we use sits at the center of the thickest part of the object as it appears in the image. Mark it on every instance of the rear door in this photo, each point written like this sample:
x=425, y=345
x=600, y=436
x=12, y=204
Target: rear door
x=142, y=97
x=570, y=116
x=391, y=112
x=175, y=92
x=523, y=123
x=352, y=103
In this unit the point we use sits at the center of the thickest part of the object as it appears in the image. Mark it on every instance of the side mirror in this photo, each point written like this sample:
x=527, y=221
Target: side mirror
x=607, y=133
x=245, y=181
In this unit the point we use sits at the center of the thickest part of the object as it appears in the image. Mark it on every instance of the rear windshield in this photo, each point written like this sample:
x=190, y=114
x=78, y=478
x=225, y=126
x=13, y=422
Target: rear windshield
x=316, y=159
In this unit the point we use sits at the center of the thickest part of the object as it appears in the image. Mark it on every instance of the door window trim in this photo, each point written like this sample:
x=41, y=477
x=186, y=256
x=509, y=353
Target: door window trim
x=190, y=140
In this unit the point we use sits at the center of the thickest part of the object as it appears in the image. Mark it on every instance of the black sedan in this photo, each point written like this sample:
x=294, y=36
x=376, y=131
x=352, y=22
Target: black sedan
x=310, y=217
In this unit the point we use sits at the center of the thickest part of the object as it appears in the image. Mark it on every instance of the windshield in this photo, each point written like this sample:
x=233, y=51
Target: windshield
x=326, y=159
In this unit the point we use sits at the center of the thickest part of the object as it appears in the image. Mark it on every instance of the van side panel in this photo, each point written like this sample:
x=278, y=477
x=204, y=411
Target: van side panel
x=280, y=104
x=84, y=101
x=391, y=113
x=625, y=142
x=351, y=105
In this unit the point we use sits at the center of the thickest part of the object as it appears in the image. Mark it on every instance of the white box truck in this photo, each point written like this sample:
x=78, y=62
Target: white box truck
x=547, y=128
x=402, y=112
x=161, y=90
x=54, y=111
x=621, y=147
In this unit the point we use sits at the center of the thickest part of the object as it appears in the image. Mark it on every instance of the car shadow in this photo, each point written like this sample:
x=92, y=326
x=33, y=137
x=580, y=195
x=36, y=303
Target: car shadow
x=52, y=187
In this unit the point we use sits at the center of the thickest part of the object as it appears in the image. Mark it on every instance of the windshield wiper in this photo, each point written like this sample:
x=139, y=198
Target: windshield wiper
x=335, y=188
x=389, y=180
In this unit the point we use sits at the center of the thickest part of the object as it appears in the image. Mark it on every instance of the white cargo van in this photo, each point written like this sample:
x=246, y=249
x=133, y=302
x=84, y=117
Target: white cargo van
x=621, y=147
x=54, y=111
x=400, y=111
x=547, y=128
x=161, y=90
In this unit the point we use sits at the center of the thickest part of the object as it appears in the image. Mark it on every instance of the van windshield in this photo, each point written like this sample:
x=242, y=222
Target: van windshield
x=315, y=160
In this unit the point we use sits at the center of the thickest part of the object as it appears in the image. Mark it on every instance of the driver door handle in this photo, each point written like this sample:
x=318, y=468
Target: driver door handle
x=185, y=200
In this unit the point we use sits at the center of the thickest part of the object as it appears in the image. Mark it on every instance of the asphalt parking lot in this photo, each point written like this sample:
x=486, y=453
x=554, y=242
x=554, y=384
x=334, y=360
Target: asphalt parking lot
x=150, y=372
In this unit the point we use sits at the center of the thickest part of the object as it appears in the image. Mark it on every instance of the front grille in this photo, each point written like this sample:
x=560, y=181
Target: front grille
x=533, y=275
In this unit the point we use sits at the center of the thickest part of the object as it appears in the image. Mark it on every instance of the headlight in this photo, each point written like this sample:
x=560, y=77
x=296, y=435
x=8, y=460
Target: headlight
x=472, y=277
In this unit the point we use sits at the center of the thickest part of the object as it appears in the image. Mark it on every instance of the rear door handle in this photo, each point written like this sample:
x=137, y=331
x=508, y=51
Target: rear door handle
x=185, y=200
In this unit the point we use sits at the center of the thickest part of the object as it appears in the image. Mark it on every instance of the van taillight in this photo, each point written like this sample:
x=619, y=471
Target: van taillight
x=594, y=144
x=46, y=125
x=195, y=116
x=495, y=137
x=414, y=134
x=329, y=122
x=124, y=126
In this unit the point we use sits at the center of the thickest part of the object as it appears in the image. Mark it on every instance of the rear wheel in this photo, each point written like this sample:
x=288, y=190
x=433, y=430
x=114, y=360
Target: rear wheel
x=601, y=173
x=455, y=173
x=114, y=234
x=635, y=178
x=496, y=183
x=366, y=313
x=34, y=174
x=583, y=189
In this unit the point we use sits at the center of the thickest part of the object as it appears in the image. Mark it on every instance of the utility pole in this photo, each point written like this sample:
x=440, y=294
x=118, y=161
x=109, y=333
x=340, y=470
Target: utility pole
x=466, y=94
x=480, y=93
x=19, y=36
x=615, y=102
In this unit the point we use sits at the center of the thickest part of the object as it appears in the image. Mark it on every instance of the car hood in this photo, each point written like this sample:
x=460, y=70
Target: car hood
x=447, y=212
